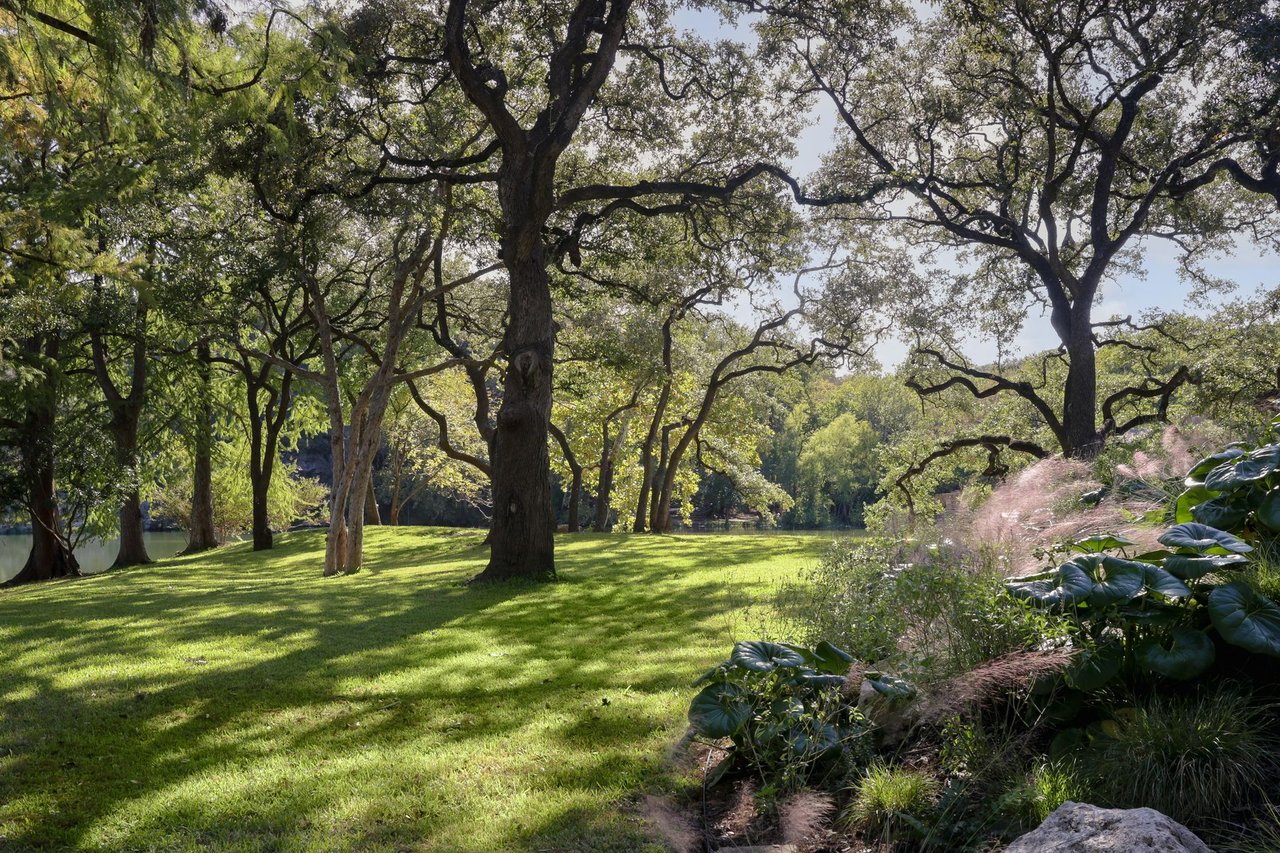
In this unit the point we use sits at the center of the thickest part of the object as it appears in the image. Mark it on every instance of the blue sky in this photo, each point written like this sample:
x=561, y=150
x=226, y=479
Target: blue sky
x=1251, y=268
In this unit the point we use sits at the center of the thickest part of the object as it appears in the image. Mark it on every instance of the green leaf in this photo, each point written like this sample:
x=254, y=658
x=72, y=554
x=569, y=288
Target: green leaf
x=1188, y=500
x=720, y=710
x=1268, y=512
x=1152, y=614
x=1223, y=512
x=1246, y=619
x=889, y=686
x=1191, y=566
x=1259, y=464
x=1101, y=542
x=1184, y=654
x=1095, y=668
x=1224, y=478
x=822, y=680
x=1203, y=538
x=832, y=659
x=1204, y=466
x=1163, y=583
x=1066, y=585
x=1113, y=580
x=763, y=656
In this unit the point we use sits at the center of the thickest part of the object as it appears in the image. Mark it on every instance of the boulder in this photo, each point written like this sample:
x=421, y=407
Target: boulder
x=1082, y=828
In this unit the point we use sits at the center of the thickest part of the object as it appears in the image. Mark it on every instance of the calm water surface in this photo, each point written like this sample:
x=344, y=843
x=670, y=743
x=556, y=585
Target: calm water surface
x=93, y=556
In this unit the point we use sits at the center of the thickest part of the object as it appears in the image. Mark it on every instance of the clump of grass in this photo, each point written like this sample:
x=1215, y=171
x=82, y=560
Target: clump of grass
x=1048, y=786
x=1195, y=758
x=892, y=802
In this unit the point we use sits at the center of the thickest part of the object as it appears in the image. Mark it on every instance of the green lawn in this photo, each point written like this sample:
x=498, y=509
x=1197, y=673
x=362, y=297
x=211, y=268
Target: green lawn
x=234, y=701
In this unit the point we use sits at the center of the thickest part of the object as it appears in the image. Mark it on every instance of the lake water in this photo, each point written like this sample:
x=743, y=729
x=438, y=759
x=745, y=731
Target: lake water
x=93, y=556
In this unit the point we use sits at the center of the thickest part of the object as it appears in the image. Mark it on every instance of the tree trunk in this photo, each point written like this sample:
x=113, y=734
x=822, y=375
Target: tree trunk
x=644, y=500
x=521, y=535
x=604, y=491
x=260, y=482
x=133, y=547
x=201, y=535
x=1080, y=401
x=371, y=513
x=51, y=555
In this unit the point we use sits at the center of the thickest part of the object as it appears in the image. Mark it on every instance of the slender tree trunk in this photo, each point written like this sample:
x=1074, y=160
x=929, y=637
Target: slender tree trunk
x=200, y=534
x=643, y=509
x=522, y=533
x=371, y=513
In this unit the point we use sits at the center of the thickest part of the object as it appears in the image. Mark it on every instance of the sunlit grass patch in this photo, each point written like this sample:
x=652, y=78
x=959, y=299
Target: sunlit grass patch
x=239, y=701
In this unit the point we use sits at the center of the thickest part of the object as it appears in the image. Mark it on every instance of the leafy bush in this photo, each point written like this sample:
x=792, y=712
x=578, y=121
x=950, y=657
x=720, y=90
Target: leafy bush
x=1194, y=758
x=892, y=802
x=1151, y=614
x=783, y=709
x=931, y=611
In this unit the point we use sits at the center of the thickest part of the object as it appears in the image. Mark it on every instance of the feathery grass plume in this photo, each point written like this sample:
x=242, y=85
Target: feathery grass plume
x=676, y=829
x=802, y=816
x=1042, y=505
x=990, y=681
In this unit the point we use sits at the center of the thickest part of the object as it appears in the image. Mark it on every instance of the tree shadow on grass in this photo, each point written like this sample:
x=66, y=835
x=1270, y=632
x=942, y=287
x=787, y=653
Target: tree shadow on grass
x=239, y=701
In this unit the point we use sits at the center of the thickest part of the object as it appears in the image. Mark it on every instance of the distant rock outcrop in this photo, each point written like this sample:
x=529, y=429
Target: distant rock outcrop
x=1082, y=828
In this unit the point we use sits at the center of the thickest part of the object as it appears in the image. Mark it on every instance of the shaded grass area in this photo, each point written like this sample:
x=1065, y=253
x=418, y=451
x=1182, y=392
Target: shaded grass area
x=238, y=701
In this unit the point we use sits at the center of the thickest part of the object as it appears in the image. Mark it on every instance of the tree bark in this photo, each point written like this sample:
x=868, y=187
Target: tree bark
x=371, y=513
x=575, y=488
x=1081, y=439
x=201, y=535
x=51, y=555
x=521, y=536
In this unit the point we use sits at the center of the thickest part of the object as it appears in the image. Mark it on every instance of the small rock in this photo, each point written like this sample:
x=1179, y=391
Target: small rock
x=1082, y=828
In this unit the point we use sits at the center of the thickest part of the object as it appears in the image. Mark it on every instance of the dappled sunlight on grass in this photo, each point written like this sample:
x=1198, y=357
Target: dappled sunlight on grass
x=235, y=700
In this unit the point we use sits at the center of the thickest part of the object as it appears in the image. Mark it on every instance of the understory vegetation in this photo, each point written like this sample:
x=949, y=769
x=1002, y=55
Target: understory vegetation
x=972, y=704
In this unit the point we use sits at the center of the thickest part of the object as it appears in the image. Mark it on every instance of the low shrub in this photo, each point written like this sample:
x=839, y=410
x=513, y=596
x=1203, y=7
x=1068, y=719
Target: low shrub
x=1195, y=758
x=928, y=612
x=784, y=710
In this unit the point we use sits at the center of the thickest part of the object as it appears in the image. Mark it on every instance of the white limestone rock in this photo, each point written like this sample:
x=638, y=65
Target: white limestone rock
x=1082, y=828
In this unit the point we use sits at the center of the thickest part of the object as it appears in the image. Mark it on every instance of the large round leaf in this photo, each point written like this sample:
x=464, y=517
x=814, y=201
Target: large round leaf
x=1191, y=566
x=1259, y=463
x=1268, y=512
x=1223, y=512
x=1114, y=580
x=1095, y=668
x=1162, y=583
x=889, y=686
x=720, y=710
x=1183, y=654
x=1101, y=542
x=831, y=658
x=1246, y=619
x=1203, y=538
x=763, y=656
x=1189, y=500
x=1066, y=585
x=1204, y=466
x=1224, y=478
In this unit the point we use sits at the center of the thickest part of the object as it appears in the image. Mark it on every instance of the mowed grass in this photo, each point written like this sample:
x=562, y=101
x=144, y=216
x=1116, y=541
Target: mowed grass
x=239, y=701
